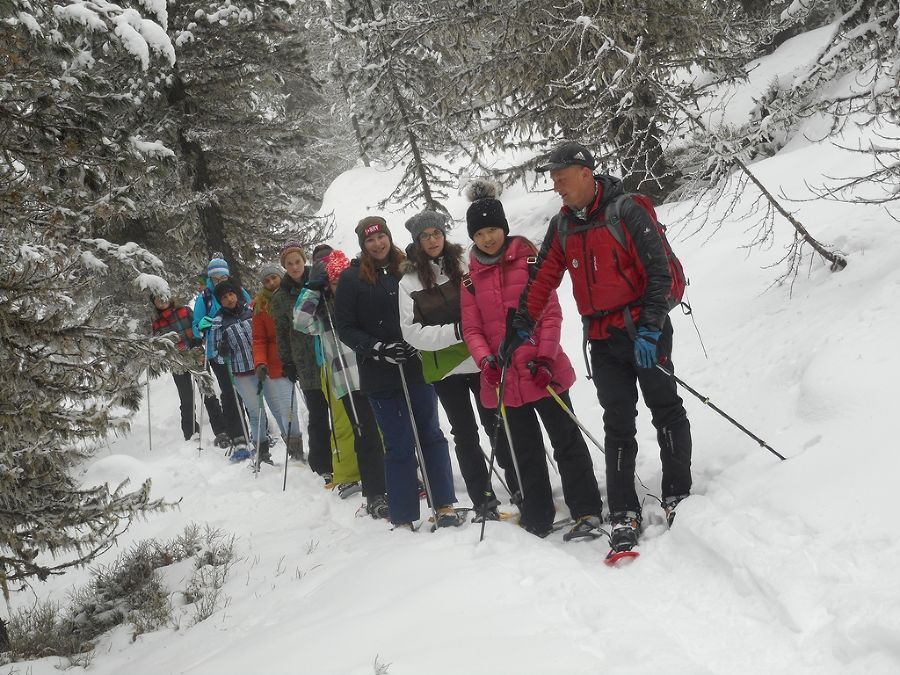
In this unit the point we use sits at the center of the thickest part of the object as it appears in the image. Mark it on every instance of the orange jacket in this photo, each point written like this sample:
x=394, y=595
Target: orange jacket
x=264, y=349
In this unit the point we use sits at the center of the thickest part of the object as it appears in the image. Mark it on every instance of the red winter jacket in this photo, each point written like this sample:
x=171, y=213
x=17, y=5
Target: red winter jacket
x=497, y=289
x=265, y=350
x=605, y=276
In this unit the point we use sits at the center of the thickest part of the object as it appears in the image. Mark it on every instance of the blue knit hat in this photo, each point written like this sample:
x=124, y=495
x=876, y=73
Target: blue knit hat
x=218, y=268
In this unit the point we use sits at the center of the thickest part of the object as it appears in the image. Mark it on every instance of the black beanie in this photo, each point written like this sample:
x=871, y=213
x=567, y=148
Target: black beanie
x=320, y=252
x=227, y=286
x=485, y=209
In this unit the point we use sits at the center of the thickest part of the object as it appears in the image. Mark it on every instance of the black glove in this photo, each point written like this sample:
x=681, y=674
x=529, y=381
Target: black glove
x=318, y=277
x=519, y=328
x=393, y=352
x=290, y=371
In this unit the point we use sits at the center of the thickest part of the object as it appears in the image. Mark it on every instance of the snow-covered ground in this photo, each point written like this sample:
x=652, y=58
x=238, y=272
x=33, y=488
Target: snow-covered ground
x=771, y=567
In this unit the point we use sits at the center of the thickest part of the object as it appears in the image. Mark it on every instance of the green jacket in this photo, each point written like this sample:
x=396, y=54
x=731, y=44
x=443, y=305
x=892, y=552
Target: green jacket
x=293, y=346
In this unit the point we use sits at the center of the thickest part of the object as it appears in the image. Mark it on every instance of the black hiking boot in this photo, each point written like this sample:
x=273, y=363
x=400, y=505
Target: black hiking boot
x=626, y=528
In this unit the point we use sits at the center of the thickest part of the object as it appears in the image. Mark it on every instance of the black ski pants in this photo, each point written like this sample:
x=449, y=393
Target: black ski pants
x=185, y=385
x=318, y=431
x=455, y=394
x=230, y=409
x=576, y=469
x=367, y=443
x=617, y=377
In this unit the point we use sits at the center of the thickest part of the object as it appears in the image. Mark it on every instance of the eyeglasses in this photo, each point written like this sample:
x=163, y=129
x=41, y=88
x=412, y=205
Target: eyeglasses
x=437, y=234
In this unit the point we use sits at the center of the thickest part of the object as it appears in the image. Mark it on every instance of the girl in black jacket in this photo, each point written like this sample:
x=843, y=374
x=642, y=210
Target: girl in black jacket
x=367, y=318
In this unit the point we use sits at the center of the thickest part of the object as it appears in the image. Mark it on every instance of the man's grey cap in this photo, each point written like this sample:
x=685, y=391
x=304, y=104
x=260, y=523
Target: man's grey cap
x=568, y=154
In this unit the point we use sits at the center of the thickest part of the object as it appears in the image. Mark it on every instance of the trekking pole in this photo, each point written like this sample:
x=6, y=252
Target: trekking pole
x=512, y=449
x=705, y=400
x=262, y=411
x=288, y=441
x=149, y=422
x=201, y=400
x=331, y=421
x=493, y=469
x=568, y=410
x=343, y=363
x=494, y=440
x=239, y=402
x=419, y=452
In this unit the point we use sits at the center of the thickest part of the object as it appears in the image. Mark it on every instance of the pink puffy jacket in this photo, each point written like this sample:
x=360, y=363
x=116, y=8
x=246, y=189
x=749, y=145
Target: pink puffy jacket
x=497, y=289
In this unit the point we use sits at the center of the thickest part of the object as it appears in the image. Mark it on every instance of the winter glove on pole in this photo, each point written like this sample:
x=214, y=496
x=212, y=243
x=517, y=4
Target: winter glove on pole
x=393, y=352
x=490, y=371
x=205, y=323
x=645, y=347
x=541, y=373
x=318, y=277
x=262, y=372
x=519, y=328
x=290, y=371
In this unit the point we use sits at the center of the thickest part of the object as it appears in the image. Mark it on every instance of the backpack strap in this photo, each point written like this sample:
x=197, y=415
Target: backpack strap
x=467, y=283
x=614, y=219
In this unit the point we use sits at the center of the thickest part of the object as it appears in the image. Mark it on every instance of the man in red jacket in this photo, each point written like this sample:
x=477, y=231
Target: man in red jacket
x=622, y=295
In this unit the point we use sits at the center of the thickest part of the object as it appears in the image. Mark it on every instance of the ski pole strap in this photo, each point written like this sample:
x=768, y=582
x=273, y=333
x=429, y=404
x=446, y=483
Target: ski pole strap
x=705, y=400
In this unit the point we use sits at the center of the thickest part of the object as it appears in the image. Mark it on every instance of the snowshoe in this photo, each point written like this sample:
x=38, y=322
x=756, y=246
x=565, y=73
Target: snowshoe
x=345, y=490
x=240, y=454
x=626, y=527
x=447, y=516
x=491, y=514
x=586, y=527
x=377, y=507
x=669, y=504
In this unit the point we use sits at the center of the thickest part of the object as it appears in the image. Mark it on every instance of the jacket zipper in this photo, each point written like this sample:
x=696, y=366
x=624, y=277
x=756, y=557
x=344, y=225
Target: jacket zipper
x=622, y=272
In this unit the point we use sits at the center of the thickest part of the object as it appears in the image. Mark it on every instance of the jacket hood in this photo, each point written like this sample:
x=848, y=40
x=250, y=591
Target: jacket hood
x=408, y=266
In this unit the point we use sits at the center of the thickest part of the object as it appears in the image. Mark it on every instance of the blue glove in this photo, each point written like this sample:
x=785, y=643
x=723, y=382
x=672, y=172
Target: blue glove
x=645, y=347
x=205, y=322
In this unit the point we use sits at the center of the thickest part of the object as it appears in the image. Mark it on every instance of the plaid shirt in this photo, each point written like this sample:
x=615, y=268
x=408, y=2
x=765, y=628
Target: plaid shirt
x=176, y=319
x=231, y=334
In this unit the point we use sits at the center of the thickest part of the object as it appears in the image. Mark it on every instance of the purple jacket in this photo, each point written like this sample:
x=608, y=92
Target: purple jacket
x=497, y=289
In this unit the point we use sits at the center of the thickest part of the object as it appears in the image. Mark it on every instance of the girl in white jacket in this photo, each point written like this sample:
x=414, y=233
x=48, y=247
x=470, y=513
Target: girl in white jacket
x=430, y=321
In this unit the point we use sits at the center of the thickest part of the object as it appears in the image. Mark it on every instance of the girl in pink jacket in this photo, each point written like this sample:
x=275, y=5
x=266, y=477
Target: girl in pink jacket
x=498, y=272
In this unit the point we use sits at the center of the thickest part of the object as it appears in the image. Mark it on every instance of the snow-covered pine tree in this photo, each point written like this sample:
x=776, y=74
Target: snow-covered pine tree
x=248, y=121
x=72, y=161
x=389, y=55
x=589, y=72
x=854, y=80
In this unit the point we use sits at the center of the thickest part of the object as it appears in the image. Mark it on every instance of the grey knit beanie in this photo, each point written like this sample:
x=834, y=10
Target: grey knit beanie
x=422, y=221
x=268, y=270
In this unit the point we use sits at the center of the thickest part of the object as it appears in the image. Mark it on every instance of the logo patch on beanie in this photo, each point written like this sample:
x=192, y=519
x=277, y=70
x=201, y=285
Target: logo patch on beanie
x=372, y=229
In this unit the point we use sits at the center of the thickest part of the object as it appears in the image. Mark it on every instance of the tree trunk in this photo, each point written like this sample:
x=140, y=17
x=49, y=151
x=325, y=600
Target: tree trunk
x=637, y=138
x=212, y=223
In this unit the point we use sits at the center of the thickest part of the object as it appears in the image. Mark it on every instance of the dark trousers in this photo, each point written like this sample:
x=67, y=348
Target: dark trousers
x=230, y=409
x=318, y=431
x=185, y=385
x=576, y=469
x=392, y=413
x=617, y=376
x=455, y=394
x=367, y=443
